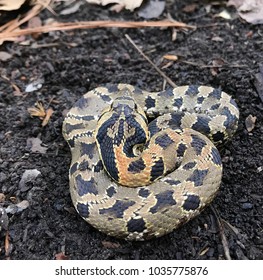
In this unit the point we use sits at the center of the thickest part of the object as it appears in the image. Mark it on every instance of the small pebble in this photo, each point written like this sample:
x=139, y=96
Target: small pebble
x=247, y=206
x=17, y=208
x=3, y=177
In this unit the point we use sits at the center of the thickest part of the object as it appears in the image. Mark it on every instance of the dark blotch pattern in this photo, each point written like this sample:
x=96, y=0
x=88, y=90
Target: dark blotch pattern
x=139, y=136
x=192, y=90
x=231, y=119
x=73, y=168
x=189, y=165
x=84, y=165
x=173, y=182
x=181, y=149
x=218, y=137
x=153, y=128
x=144, y=192
x=178, y=102
x=166, y=93
x=198, y=177
x=157, y=169
x=82, y=103
x=118, y=138
x=198, y=144
x=164, y=199
x=216, y=93
x=202, y=125
x=117, y=210
x=84, y=118
x=87, y=149
x=164, y=141
x=200, y=99
x=112, y=88
x=111, y=191
x=176, y=120
x=149, y=102
x=71, y=143
x=107, y=151
x=70, y=127
x=98, y=167
x=83, y=210
x=136, y=225
x=192, y=202
x=105, y=98
x=216, y=158
x=136, y=166
x=215, y=106
x=85, y=187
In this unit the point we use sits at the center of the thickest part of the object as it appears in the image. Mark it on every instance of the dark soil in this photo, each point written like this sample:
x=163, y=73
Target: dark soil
x=70, y=64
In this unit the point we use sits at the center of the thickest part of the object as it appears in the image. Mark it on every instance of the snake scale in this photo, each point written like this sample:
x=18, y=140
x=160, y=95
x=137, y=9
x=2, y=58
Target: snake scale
x=135, y=180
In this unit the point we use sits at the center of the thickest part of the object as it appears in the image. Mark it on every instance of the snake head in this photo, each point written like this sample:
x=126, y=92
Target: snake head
x=123, y=107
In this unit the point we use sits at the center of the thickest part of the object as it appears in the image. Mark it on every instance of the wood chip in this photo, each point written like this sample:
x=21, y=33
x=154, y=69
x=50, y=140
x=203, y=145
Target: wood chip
x=250, y=123
x=171, y=57
x=49, y=113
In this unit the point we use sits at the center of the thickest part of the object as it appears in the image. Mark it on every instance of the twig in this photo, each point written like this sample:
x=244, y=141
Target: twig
x=92, y=24
x=213, y=66
x=169, y=81
x=222, y=233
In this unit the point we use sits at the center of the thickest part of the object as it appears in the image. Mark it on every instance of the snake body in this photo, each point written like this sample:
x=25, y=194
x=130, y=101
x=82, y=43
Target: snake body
x=137, y=181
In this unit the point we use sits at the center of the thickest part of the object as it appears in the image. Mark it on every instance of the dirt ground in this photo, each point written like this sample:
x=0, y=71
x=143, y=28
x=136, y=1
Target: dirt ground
x=42, y=221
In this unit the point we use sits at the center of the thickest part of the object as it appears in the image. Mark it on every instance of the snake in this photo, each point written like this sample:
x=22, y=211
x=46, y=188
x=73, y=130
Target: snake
x=145, y=163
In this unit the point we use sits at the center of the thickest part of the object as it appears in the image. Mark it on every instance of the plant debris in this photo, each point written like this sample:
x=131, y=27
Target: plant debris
x=249, y=10
x=34, y=144
x=28, y=176
x=128, y=4
x=250, y=122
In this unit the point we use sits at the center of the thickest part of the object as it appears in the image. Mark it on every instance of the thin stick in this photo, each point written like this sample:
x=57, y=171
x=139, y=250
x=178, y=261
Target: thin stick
x=92, y=24
x=222, y=234
x=169, y=81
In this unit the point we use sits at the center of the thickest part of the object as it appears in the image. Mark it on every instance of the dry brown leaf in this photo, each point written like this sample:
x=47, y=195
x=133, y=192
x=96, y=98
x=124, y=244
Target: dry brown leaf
x=249, y=10
x=128, y=4
x=13, y=25
x=37, y=111
x=10, y=5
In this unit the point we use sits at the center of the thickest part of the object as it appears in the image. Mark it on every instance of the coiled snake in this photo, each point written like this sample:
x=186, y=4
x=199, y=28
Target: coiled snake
x=129, y=189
